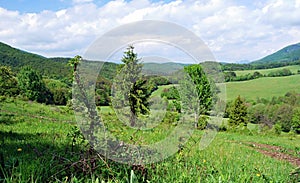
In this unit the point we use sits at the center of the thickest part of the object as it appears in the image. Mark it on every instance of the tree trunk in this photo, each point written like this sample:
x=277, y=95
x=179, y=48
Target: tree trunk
x=196, y=120
x=132, y=120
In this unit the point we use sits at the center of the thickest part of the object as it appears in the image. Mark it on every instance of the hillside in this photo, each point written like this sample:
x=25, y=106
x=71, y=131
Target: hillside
x=56, y=68
x=266, y=87
x=15, y=58
x=162, y=68
x=287, y=54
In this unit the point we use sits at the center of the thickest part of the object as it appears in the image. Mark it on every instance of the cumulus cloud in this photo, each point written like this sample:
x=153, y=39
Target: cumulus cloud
x=232, y=30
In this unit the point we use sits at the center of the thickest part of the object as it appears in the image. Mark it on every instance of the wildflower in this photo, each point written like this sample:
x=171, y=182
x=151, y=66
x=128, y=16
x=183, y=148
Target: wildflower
x=258, y=175
x=19, y=149
x=204, y=161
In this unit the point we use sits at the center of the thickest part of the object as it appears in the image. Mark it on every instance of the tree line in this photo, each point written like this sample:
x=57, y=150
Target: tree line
x=231, y=75
x=280, y=114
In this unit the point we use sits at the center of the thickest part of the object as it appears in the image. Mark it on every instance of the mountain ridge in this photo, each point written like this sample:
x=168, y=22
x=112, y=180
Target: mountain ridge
x=289, y=53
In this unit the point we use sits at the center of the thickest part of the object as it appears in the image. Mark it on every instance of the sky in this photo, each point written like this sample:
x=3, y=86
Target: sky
x=233, y=30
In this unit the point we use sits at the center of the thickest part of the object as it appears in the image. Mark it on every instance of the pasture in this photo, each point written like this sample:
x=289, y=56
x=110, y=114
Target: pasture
x=265, y=87
x=293, y=68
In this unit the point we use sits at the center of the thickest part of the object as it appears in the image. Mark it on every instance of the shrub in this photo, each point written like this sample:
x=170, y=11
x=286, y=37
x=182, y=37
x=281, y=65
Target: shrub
x=281, y=72
x=296, y=120
x=32, y=86
x=8, y=82
x=170, y=93
x=202, y=122
x=277, y=129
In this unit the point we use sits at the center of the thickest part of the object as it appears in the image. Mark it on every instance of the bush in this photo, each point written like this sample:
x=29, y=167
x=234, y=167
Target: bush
x=277, y=129
x=256, y=113
x=284, y=117
x=296, y=120
x=170, y=93
x=159, y=80
x=60, y=96
x=8, y=82
x=60, y=91
x=281, y=72
x=171, y=117
x=32, y=86
x=202, y=122
x=174, y=106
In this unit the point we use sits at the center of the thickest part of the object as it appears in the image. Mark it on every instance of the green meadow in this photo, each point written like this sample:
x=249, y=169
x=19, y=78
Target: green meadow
x=293, y=68
x=265, y=87
x=40, y=143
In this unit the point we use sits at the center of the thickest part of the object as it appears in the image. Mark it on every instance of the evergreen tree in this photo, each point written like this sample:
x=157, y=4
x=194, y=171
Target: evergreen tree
x=238, y=113
x=130, y=89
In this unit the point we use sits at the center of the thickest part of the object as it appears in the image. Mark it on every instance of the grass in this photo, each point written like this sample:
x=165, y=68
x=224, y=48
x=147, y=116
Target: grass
x=292, y=68
x=158, y=92
x=266, y=87
x=39, y=143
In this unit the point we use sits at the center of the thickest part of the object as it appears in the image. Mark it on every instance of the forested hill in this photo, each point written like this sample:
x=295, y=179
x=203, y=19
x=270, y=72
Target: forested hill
x=287, y=54
x=16, y=59
x=56, y=68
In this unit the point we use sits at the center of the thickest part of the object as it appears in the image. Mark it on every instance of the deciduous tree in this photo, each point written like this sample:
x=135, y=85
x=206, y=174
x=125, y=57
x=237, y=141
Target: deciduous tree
x=8, y=82
x=33, y=86
x=195, y=91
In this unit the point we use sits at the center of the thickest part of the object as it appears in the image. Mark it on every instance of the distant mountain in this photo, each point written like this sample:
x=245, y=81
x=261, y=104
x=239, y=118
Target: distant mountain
x=162, y=68
x=290, y=53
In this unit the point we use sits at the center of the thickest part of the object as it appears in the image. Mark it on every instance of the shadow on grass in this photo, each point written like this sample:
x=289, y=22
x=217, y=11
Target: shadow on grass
x=25, y=155
x=42, y=158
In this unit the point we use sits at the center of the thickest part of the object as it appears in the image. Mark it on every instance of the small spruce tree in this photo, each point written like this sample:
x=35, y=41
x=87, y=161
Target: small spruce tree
x=131, y=89
x=238, y=113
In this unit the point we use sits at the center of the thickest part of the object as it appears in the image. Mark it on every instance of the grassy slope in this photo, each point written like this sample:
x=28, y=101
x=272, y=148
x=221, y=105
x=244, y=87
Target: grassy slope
x=158, y=92
x=226, y=159
x=263, y=87
x=293, y=68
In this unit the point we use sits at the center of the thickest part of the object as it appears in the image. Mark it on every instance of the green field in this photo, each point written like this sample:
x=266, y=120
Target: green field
x=39, y=144
x=265, y=87
x=157, y=92
x=292, y=68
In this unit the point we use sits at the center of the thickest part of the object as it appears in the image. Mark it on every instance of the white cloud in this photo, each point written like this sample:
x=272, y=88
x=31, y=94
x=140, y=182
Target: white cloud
x=81, y=1
x=233, y=31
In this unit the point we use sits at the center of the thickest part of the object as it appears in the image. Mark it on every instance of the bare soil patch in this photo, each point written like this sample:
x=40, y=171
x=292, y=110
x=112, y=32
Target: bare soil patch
x=274, y=152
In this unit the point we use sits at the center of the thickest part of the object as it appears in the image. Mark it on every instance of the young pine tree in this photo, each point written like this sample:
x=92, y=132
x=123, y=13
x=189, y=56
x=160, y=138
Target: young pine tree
x=130, y=87
x=238, y=113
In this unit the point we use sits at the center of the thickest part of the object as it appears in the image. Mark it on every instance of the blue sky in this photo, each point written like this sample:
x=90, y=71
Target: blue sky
x=35, y=6
x=233, y=30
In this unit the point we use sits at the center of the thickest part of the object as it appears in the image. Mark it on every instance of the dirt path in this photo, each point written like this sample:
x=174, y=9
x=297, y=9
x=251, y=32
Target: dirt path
x=274, y=152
